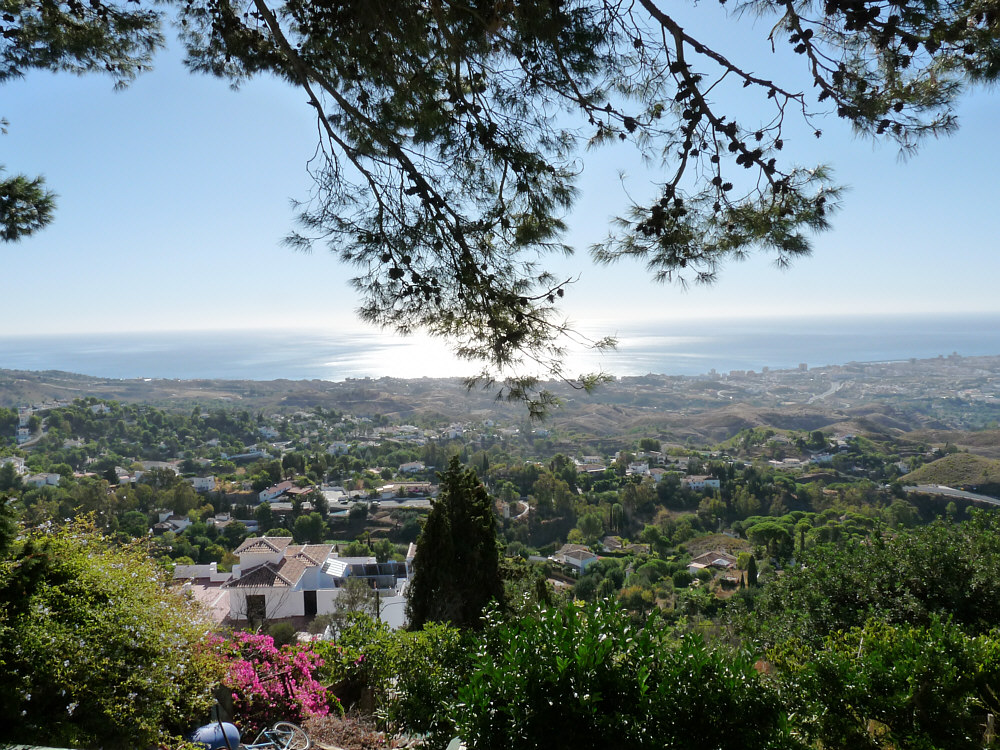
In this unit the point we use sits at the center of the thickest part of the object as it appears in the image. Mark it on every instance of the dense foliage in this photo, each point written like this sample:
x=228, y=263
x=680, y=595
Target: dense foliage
x=586, y=677
x=94, y=650
x=880, y=624
x=899, y=577
x=893, y=686
x=406, y=677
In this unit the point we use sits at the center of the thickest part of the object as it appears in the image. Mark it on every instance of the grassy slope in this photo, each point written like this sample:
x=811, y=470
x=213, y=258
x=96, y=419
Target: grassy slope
x=956, y=470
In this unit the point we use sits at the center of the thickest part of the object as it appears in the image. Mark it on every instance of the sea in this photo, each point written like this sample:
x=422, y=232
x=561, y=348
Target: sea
x=675, y=347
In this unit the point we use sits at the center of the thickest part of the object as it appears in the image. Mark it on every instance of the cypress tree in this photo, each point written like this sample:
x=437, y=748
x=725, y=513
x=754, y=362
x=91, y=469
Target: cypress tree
x=456, y=570
x=752, y=572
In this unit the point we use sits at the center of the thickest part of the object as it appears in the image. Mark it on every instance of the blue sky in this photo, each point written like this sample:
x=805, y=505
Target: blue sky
x=174, y=197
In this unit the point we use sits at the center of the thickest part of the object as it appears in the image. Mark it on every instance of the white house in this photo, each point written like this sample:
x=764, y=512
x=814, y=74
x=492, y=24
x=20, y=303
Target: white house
x=169, y=521
x=275, y=490
x=203, y=484
x=453, y=431
x=699, y=483
x=277, y=579
x=162, y=465
x=655, y=458
x=402, y=489
x=338, y=448
x=637, y=467
x=19, y=468
x=576, y=556
x=40, y=480
x=412, y=467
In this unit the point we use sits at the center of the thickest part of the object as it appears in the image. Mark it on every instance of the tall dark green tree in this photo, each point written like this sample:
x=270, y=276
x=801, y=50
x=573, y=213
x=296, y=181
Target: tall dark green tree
x=456, y=571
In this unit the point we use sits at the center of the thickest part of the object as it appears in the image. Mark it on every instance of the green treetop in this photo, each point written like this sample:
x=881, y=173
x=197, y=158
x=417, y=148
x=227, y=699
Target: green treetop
x=456, y=571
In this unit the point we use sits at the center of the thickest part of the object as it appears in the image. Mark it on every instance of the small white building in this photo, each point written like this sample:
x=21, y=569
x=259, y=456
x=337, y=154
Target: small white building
x=700, y=483
x=576, y=556
x=452, y=432
x=203, y=484
x=637, y=467
x=19, y=468
x=41, y=480
x=169, y=521
x=275, y=490
x=161, y=465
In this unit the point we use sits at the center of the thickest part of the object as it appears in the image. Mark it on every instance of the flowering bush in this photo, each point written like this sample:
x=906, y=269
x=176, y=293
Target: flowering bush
x=271, y=684
x=95, y=649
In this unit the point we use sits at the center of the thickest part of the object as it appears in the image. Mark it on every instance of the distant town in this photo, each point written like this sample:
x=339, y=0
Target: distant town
x=685, y=479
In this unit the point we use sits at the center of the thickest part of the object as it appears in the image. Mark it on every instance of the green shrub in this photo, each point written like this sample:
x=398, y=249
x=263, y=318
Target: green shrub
x=880, y=685
x=410, y=676
x=587, y=677
x=682, y=579
x=283, y=634
x=95, y=650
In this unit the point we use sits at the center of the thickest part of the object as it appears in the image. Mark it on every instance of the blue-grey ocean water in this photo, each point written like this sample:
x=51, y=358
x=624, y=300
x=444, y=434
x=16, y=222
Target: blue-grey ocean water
x=674, y=348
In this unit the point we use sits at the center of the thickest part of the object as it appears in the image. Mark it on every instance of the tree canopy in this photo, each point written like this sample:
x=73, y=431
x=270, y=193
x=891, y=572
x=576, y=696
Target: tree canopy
x=117, y=38
x=939, y=570
x=451, y=133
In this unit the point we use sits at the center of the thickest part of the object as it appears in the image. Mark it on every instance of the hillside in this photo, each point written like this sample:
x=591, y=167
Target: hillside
x=954, y=400
x=956, y=470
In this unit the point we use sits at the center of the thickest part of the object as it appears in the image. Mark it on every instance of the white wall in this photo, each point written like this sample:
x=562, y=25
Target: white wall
x=280, y=603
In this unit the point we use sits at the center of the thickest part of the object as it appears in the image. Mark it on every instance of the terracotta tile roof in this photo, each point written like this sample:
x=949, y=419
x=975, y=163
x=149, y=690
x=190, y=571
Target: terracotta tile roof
x=318, y=552
x=292, y=568
x=266, y=575
x=265, y=544
x=297, y=559
x=715, y=557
